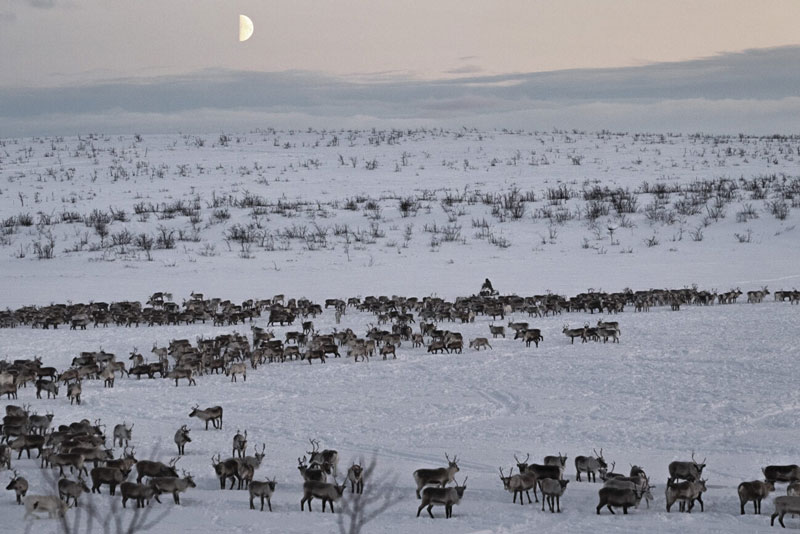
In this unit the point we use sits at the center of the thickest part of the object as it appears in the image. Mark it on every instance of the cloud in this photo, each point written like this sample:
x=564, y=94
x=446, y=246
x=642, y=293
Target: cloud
x=753, y=91
x=466, y=69
x=42, y=4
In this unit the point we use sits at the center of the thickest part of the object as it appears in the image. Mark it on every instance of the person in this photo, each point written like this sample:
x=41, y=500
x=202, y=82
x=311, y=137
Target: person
x=487, y=285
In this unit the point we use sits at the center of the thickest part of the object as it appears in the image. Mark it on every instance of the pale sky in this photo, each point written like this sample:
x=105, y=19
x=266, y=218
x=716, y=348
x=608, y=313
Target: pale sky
x=83, y=43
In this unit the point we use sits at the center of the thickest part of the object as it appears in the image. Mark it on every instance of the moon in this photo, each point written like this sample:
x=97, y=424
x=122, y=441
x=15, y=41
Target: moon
x=245, y=28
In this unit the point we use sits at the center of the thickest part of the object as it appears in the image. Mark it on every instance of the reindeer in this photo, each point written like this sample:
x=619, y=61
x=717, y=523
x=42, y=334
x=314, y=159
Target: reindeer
x=213, y=414
x=172, y=485
x=538, y=471
x=122, y=433
x=781, y=473
x=225, y=470
x=355, y=475
x=620, y=498
x=310, y=474
x=51, y=504
x=152, y=469
x=246, y=473
x=40, y=423
x=572, y=333
x=327, y=492
x=441, y=476
x=239, y=444
x=556, y=460
x=17, y=411
x=358, y=349
x=72, y=489
x=264, y=491
x=74, y=392
x=74, y=461
x=755, y=491
x=690, y=471
x=516, y=484
x=125, y=462
x=313, y=354
x=446, y=497
x=137, y=359
x=609, y=474
x=687, y=492
x=94, y=454
x=532, y=335
x=518, y=328
x=639, y=483
x=614, y=325
x=755, y=297
x=237, y=369
x=181, y=439
x=590, y=465
x=387, y=349
x=255, y=461
x=497, y=331
x=436, y=346
x=108, y=376
x=5, y=456
x=106, y=475
x=785, y=504
x=637, y=471
x=479, y=342
x=141, y=493
x=19, y=485
x=26, y=442
x=183, y=372
x=552, y=490
x=51, y=387
x=607, y=333
x=328, y=459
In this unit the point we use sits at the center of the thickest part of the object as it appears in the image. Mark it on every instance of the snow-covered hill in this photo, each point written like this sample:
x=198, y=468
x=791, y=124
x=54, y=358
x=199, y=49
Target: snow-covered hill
x=417, y=213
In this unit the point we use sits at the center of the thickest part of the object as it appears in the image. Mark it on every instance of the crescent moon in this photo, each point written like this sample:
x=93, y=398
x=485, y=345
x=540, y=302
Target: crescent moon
x=245, y=28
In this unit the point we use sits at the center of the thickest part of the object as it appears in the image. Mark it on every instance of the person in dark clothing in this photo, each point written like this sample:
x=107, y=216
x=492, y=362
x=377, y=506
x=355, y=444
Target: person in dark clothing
x=487, y=285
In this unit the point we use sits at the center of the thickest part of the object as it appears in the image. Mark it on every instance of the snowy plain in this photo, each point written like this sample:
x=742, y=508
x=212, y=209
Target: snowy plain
x=719, y=380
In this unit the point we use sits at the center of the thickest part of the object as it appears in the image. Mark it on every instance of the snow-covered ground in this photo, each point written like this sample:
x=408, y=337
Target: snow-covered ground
x=719, y=380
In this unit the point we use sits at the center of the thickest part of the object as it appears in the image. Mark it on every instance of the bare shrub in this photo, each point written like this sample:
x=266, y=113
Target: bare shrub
x=779, y=208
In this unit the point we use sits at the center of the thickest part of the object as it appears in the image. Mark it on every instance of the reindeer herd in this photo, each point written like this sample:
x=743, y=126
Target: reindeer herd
x=82, y=442
x=234, y=354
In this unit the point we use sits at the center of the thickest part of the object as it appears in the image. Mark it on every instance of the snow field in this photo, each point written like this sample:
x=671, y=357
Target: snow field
x=718, y=380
